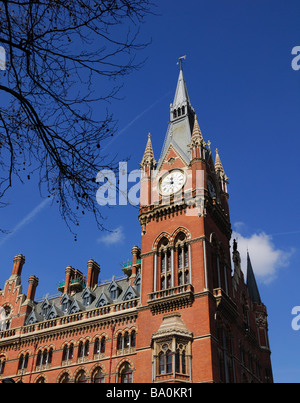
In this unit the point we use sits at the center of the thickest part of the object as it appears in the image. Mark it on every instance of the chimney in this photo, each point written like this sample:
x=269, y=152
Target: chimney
x=69, y=274
x=19, y=261
x=93, y=274
x=135, y=252
x=33, y=283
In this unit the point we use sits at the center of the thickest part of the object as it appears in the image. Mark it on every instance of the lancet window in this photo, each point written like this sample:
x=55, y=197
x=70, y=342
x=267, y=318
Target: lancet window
x=172, y=265
x=182, y=263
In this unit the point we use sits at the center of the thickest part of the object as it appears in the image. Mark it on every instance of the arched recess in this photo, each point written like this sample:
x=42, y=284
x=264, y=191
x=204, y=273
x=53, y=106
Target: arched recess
x=178, y=231
x=158, y=239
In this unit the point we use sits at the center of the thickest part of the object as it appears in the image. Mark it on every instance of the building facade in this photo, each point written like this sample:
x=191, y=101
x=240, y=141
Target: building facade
x=182, y=312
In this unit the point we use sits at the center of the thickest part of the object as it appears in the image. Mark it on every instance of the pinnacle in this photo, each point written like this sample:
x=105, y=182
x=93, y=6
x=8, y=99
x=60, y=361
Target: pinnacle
x=218, y=163
x=148, y=158
x=196, y=130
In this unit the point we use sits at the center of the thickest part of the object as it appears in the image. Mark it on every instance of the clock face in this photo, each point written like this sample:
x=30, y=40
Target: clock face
x=211, y=188
x=172, y=182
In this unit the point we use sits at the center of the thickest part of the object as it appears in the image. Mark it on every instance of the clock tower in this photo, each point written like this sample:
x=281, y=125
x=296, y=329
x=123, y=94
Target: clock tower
x=190, y=315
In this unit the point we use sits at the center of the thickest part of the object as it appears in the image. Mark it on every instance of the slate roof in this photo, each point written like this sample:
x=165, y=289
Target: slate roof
x=53, y=307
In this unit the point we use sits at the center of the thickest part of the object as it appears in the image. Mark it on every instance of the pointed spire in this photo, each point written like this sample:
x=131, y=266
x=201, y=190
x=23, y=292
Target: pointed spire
x=197, y=142
x=251, y=283
x=148, y=158
x=220, y=172
x=180, y=128
x=196, y=131
x=181, y=95
x=218, y=163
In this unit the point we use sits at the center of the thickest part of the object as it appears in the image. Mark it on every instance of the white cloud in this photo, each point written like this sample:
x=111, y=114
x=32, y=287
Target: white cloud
x=266, y=259
x=113, y=237
x=239, y=226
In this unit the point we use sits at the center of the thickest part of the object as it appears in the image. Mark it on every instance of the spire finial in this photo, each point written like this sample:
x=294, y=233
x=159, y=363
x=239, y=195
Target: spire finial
x=181, y=58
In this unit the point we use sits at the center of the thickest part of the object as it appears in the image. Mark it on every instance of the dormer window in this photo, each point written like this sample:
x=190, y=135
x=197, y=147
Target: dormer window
x=45, y=308
x=101, y=302
x=66, y=303
x=87, y=297
x=137, y=283
x=65, y=306
x=86, y=300
x=114, y=290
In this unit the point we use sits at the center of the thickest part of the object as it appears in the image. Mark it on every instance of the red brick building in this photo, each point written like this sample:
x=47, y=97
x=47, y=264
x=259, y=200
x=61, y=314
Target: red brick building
x=182, y=312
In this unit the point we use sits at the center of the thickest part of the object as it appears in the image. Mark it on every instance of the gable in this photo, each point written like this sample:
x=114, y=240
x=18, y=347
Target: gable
x=103, y=300
x=87, y=296
x=114, y=290
x=130, y=293
x=33, y=317
x=173, y=158
x=76, y=307
x=54, y=312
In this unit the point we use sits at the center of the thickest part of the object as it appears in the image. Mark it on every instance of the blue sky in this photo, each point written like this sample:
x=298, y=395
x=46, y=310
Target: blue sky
x=246, y=95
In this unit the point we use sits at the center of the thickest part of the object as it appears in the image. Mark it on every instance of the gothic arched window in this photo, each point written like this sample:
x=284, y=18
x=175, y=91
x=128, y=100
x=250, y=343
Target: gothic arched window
x=98, y=376
x=23, y=362
x=68, y=353
x=83, y=350
x=164, y=262
x=102, y=345
x=133, y=338
x=97, y=346
x=81, y=377
x=182, y=261
x=125, y=373
x=65, y=378
x=126, y=340
x=119, y=341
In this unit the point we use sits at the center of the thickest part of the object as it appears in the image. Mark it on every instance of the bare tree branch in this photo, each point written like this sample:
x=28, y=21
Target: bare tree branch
x=57, y=51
